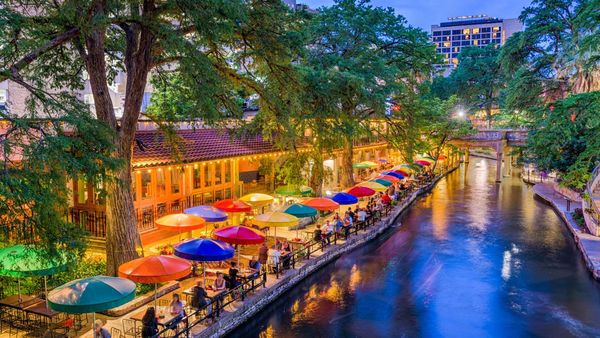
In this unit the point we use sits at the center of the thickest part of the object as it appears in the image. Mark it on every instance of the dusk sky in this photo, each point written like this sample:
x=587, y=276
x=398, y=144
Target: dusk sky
x=424, y=13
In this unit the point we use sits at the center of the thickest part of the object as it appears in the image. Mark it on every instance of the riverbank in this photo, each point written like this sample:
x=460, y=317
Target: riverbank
x=263, y=297
x=587, y=244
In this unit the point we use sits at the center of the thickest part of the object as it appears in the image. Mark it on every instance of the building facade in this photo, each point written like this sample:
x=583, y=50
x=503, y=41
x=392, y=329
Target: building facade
x=465, y=31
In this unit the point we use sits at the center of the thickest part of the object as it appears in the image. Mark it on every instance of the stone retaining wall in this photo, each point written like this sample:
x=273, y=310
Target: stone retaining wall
x=230, y=321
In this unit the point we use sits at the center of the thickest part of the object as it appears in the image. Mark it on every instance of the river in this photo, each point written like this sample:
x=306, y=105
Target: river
x=471, y=259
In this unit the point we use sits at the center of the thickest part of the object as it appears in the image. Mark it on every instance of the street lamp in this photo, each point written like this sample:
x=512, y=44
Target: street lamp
x=461, y=113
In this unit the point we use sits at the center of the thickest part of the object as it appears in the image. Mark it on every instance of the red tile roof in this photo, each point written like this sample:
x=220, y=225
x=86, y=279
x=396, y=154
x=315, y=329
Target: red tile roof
x=152, y=147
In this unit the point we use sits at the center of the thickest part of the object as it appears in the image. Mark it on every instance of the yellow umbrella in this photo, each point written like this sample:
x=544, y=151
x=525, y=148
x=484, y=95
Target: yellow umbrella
x=370, y=164
x=373, y=185
x=275, y=219
x=257, y=200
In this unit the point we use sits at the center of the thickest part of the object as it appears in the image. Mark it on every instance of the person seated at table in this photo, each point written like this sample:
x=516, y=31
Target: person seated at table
x=277, y=244
x=177, y=311
x=220, y=283
x=286, y=253
x=325, y=234
x=231, y=278
x=149, y=323
x=362, y=216
x=337, y=223
x=350, y=213
x=99, y=330
x=286, y=246
x=263, y=254
x=274, y=257
x=254, y=267
x=347, y=225
x=199, y=296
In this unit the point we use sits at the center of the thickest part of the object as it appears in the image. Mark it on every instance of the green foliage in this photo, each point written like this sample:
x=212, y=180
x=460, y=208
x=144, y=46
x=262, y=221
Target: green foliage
x=566, y=138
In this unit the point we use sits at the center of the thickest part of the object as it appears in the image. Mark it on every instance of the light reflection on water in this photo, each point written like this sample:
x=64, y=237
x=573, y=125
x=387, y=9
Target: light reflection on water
x=473, y=259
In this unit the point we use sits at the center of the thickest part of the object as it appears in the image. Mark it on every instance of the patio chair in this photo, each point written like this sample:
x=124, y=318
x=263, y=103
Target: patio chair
x=116, y=333
x=130, y=329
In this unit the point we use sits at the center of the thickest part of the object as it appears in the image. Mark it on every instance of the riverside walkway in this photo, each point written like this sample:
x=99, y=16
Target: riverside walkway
x=587, y=244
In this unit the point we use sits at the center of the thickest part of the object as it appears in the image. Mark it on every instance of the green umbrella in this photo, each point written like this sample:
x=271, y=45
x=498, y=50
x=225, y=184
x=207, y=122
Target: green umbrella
x=300, y=210
x=93, y=294
x=26, y=261
x=382, y=182
x=292, y=190
x=360, y=165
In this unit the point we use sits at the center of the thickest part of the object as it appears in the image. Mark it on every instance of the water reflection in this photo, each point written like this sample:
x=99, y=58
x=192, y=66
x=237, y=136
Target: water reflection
x=473, y=259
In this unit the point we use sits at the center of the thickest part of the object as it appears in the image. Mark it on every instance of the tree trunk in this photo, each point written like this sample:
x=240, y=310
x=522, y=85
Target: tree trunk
x=317, y=174
x=123, y=239
x=347, y=171
x=488, y=114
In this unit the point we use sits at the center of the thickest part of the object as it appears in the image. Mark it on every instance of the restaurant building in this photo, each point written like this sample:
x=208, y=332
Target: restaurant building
x=208, y=165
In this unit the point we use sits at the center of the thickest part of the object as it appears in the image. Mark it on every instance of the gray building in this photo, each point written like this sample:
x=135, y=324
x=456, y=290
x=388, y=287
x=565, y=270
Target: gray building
x=473, y=30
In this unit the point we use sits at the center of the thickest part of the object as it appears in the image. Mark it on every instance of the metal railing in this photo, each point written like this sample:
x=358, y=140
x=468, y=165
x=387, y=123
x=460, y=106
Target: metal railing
x=591, y=185
x=213, y=308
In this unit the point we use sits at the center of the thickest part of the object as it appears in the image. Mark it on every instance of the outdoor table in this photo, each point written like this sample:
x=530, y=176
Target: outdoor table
x=210, y=293
x=41, y=310
x=164, y=316
x=13, y=301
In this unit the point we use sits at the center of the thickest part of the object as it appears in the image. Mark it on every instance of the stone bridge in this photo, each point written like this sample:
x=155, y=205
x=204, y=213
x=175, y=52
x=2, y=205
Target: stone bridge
x=500, y=140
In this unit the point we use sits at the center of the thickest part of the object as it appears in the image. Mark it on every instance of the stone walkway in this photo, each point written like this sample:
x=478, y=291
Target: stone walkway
x=588, y=245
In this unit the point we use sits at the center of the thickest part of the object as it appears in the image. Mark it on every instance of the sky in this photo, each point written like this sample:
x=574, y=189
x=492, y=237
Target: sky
x=424, y=13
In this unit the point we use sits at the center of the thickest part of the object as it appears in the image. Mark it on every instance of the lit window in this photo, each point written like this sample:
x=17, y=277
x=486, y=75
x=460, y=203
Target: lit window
x=218, y=173
x=175, y=176
x=455, y=61
x=446, y=44
x=466, y=31
x=475, y=42
x=496, y=29
x=207, y=175
x=196, y=177
x=227, y=172
x=3, y=95
x=475, y=30
x=146, y=184
x=161, y=184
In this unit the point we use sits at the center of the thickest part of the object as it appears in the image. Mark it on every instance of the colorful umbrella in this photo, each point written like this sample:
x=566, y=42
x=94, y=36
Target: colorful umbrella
x=204, y=250
x=232, y=206
x=321, y=203
x=22, y=261
x=360, y=165
x=442, y=157
x=393, y=173
x=390, y=178
x=382, y=160
x=290, y=190
x=373, y=185
x=383, y=182
x=370, y=164
x=422, y=163
x=360, y=191
x=93, y=294
x=257, y=200
x=275, y=219
x=344, y=198
x=180, y=222
x=208, y=213
x=155, y=269
x=404, y=173
x=300, y=210
x=239, y=235
x=427, y=158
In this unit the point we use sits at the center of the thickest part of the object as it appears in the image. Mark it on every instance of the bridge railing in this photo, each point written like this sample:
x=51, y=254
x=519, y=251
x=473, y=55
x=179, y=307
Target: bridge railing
x=484, y=135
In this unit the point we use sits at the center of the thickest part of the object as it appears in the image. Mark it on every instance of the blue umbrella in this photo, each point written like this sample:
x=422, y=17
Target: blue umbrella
x=204, y=250
x=391, y=173
x=344, y=198
x=209, y=213
x=300, y=210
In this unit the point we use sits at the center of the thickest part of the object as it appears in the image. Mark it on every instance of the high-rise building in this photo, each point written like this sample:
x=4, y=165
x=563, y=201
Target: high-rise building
x=473, y=30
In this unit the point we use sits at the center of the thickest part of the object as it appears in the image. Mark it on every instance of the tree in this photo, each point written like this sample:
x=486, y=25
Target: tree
x=360, y=53
x=218, y=48
x=477, y=79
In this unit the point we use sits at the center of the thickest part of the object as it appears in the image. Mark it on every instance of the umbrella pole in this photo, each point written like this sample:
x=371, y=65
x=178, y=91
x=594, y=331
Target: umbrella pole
x=93, y=324
x=19, y=288
x=204, y=272
x=155, y=297
x=238, y=250
x=46, y=290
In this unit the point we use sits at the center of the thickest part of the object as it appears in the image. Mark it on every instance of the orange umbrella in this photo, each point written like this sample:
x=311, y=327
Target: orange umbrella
x=321, y=203
x=155, y=269
x=389, y=178
x=230, y=205
x=442, y=157
x=180, y=222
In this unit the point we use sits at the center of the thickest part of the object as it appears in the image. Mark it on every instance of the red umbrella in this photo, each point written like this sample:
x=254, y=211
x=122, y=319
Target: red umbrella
x=233, y=206
x=155, y=269
x=239, y=234
x=321, y=203
x=442, y=157
x=359, y=191
x=423, y=163
x=389, y=178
